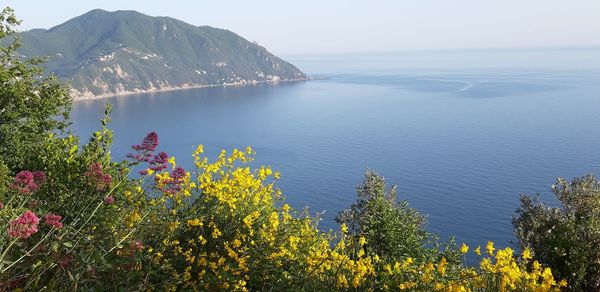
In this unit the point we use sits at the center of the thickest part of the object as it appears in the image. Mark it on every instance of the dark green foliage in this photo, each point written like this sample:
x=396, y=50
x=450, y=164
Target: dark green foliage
x=31, y=105
x=392, y=229
x=109, y=52
x=567, y=239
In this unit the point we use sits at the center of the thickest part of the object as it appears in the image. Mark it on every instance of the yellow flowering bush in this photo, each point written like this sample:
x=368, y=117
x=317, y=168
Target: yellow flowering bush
x=228, y=228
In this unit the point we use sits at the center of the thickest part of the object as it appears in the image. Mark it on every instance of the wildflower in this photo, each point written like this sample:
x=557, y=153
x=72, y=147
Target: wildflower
x=526, y=254
x=490, y=248
x=362, y=241
x=172, y=183
x=1, y=205
x=562, y=283
x=27, y=182
x=137, y=245
x=53, y=220
x=39, y=178
x=145, y=149
x=109, y=200
x=101, y=180
x=442, y=266
x=344, y=228
x=478, y=251
x=464, y=248
x=149, y=143
x=194, y=222
x=24, y=226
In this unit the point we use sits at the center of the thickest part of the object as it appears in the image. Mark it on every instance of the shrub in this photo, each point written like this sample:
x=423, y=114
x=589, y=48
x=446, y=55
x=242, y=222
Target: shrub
x=31, y=104
x=565, y=238
x=391, y=228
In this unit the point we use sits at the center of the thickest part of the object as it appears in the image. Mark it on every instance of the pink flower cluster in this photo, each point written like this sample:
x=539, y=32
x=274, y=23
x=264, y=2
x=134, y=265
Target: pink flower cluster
x=102, y=180
x=24, y=226
x=176, y=178
x=53, y=220
x=109, y=200
x=145, y=149
x=157, y=163
x=145, y=153
x=27, y=182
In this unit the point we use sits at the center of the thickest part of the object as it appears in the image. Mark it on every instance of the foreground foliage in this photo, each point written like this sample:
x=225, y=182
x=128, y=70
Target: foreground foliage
x=221, y=226
x=566, y=238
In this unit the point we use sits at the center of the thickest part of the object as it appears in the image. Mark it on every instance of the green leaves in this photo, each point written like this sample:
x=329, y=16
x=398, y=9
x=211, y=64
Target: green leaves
x=565, y=238
x=392, y=229
x=31, y=104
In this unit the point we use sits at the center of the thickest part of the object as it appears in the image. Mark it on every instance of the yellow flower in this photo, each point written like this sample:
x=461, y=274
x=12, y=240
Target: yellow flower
x=442, y=266
x=562, y=283
x=199, y=149
x=172, y=161
x=194, y=222
x=344, y=228
x=464, y=248
x=526, y=254
x=490, y=248
x=362, y=241
x=478, y=250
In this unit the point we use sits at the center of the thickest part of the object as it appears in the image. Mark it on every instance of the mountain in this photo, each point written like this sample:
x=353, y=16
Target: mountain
x=103, y=53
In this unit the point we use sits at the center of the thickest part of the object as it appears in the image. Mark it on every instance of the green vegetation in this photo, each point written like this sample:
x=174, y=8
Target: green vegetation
x=567, y=239
x=392, y=229
x=102, y=52
x=30, y=104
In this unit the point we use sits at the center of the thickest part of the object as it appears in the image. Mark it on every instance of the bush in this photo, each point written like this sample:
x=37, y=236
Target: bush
x=566, y=238
x=392, y=229
x=222, y=226
x=31, y=104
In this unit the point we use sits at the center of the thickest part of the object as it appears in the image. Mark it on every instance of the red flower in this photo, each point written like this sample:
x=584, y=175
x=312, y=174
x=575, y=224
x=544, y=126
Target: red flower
x=53, y=220
x=24, y=226
x=137, y=245
x=145, y=149
x=27, y=182
x=109, y=200
x=102, y=180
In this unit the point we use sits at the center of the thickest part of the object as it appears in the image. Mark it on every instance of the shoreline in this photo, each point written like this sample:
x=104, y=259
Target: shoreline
x=78, y=98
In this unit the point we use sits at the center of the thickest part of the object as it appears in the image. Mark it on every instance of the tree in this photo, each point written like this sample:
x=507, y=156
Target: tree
x=566, y=238
x=391, y=228
x=32, y=104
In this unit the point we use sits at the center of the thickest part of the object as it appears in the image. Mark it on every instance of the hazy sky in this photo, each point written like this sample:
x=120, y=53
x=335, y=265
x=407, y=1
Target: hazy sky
x=335, y=26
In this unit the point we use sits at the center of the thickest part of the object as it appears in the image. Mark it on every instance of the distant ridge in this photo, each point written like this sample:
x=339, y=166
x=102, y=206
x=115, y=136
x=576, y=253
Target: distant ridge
x=103, y=53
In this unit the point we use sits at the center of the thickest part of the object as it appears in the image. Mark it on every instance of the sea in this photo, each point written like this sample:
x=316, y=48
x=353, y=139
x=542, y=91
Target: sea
x=461, y=133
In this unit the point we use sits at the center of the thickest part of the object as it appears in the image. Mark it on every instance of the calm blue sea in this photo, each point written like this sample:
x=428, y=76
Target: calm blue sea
x=462, y=133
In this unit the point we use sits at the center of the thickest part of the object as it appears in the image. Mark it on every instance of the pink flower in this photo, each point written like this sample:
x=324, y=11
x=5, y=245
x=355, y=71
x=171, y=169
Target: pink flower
x=172, y=185
x=145, y=150
x=53, y=220
x=24, y=226
x=27, y=182
x=137, y=245
x=101, y=180
x=39, y=177
x=1, y=205
x=149, y=144
x=109, y=200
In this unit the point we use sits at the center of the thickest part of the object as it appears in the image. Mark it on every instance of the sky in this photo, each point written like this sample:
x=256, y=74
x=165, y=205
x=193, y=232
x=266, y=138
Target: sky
x=289, y=27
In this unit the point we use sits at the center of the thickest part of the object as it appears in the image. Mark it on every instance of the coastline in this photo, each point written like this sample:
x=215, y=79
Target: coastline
x=81, y=97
